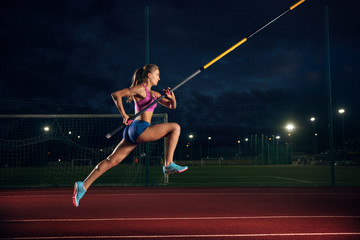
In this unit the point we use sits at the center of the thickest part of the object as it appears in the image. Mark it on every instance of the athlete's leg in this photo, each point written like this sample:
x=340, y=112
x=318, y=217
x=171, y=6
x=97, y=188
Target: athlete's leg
x=122, y=150
x=158, y=131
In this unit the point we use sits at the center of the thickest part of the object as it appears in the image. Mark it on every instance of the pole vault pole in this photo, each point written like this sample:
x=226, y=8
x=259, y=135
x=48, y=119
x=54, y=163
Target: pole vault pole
x=109, y=135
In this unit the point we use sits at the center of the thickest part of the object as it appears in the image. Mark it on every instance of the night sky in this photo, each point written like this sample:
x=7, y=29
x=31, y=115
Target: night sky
x=67, y=57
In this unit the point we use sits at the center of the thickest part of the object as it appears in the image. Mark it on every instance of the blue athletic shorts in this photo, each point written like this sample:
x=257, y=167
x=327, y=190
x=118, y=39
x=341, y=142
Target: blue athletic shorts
x=134, y=130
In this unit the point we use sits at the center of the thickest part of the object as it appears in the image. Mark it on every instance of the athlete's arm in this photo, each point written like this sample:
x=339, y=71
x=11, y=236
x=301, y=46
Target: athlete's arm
x=169, y=101
x=126, y=92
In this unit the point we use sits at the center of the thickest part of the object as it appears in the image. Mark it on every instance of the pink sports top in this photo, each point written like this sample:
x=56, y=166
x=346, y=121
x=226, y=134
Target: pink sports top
x=140, y=105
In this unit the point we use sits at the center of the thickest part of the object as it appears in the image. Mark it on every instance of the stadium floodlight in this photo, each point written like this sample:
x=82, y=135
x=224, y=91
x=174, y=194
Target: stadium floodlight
x=290, y=127
x=46, y=128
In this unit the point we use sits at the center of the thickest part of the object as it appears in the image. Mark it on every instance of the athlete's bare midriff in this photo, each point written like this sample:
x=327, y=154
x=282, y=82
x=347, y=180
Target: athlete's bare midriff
x=146, y=116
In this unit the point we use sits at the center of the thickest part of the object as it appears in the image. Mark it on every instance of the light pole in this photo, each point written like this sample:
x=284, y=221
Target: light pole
x=47, y=152
x=208, y=147
x=313, y=119
x=238, y=152
x=191, y=137
x=342, y=113
x=277, y=148
x=290, y=127
x=247, y=148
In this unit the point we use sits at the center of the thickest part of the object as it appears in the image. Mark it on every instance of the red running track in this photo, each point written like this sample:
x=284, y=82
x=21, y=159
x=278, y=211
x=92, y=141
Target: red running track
x=182, y=213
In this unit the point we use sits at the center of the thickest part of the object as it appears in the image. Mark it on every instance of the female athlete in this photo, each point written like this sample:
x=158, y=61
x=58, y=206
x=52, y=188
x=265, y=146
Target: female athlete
x=140, y=130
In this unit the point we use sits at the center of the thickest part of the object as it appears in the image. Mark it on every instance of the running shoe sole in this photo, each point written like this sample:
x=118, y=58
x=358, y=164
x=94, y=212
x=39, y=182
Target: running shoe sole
x=171, y=172
x=74, y=195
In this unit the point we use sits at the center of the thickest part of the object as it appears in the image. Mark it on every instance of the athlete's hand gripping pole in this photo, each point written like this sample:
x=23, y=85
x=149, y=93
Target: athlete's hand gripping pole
x=109, y=135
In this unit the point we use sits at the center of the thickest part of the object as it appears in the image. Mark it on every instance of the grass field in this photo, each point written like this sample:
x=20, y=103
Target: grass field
x=272, y=175
x=235, y=175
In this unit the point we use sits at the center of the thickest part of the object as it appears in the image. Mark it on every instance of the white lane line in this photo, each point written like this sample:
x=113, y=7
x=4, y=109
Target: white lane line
x=293, y=179
x=162, y=218
x=192, y=236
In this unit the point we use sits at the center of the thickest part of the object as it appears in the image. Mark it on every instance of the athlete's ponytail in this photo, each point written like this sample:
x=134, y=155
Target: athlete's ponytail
x=137, y=77
x=140, y=74
x=136, y=80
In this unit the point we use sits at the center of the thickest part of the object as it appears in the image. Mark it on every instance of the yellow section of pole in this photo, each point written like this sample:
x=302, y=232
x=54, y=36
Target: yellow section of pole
x=296, y=4
x=224, y=53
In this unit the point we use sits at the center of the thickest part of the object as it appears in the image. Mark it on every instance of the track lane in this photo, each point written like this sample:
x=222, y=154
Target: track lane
x=183, y=227
x=216, y=213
